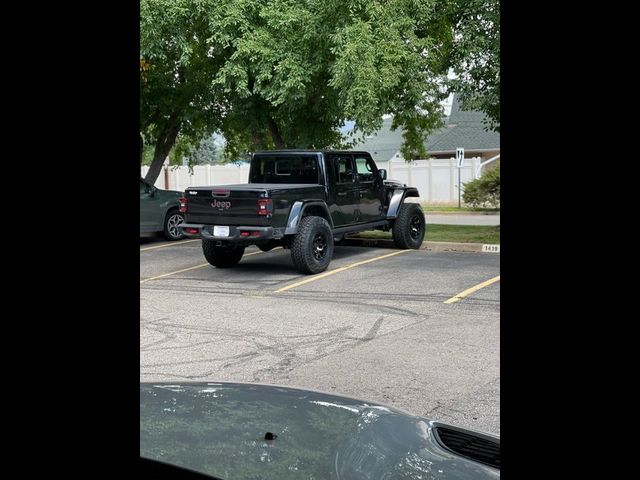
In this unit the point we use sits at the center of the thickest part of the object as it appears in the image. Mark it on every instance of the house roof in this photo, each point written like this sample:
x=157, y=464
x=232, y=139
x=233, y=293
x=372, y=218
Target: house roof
x=384, y=143
x=462, y=128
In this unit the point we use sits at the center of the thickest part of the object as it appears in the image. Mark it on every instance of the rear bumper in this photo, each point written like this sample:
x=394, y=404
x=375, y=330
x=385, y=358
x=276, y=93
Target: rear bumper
x=255, y=234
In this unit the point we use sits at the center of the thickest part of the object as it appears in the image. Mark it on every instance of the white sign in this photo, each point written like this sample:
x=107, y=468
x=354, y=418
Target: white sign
x=460, y=157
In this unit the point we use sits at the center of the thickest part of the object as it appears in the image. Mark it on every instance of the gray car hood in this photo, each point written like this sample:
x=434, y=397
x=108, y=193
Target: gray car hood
x=219, y=429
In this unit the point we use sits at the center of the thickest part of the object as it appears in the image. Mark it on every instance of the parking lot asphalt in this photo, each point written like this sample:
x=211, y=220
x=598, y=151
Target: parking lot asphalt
x=378, y=330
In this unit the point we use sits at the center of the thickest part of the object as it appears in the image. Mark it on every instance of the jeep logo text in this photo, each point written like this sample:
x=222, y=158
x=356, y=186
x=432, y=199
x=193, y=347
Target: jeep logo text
x=220, y=205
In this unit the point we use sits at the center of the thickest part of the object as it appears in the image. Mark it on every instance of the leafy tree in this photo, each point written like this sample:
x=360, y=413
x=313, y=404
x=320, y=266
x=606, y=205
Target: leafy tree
x=286, y=73
x=475, y=55
x=177, y=96
x=301, y=67
x=207, y=153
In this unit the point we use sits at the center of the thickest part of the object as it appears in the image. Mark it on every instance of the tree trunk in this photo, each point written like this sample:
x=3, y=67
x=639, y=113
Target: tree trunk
x=165, y=142
x=257, y=139
x=275, y=134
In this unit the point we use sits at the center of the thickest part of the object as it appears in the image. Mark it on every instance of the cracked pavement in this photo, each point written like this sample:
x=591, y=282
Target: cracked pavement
x=379, y=332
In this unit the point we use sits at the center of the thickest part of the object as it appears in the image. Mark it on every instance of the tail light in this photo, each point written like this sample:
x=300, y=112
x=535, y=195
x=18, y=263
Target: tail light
x=250, y=233
x=193, y=231
x=265, y=206
x=183, y=204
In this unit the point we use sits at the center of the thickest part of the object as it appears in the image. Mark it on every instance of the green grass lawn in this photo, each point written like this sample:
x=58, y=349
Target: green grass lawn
x=450, y=233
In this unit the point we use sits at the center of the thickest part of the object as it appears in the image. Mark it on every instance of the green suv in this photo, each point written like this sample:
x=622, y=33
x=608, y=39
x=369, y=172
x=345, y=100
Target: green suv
x=159, y=211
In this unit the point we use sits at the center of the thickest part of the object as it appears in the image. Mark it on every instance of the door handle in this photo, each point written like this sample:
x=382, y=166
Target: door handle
x=342, y=194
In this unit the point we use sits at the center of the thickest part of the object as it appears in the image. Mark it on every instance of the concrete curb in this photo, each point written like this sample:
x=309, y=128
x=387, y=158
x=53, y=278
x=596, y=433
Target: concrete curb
x=431, y=246
x=451, y=247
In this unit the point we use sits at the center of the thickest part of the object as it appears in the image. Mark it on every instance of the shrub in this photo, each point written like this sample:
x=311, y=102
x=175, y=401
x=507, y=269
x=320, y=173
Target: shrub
x=484, y=191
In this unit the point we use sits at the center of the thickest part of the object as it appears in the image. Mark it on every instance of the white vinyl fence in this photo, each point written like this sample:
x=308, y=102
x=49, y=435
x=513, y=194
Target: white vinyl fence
x=436, y=179
x=179, y=178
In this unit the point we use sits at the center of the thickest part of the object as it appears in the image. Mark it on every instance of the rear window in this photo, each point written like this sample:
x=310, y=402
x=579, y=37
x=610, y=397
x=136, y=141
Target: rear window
x=285, y=169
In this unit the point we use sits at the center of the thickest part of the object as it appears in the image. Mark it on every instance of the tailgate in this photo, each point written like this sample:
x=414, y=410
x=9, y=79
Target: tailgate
x=225, y=206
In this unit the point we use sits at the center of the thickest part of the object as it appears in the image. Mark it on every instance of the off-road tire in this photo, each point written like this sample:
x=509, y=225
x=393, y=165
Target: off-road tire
x=221, y=257
x=409, y=228
x=312, y=247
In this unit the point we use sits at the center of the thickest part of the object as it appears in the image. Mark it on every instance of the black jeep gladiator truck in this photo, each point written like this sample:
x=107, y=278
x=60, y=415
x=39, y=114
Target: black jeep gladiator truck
x=302, y=200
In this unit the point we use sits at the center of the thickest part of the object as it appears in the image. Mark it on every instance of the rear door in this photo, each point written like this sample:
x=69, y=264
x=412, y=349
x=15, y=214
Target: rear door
x=345, y=194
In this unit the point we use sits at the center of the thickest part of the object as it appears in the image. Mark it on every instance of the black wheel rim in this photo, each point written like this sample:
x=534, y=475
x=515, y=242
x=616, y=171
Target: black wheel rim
x=415, y=227
x=319, y=246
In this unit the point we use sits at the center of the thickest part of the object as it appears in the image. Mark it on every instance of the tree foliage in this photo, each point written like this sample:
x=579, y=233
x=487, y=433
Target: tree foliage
x=475, y=55
x=287, y=73
x=178, y=101
x=207, y=153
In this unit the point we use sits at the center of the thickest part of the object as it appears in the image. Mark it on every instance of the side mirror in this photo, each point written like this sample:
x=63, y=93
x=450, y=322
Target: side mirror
x=383, y=173
x=151, y=191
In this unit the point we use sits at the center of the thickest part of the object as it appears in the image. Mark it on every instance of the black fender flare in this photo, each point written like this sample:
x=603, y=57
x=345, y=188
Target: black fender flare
x=398, y=197
x=298, y=211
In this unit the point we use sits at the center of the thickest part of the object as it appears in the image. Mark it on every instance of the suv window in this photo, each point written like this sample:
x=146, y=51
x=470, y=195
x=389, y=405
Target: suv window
x=365, y=168
x=343, y=169
x=285, y=169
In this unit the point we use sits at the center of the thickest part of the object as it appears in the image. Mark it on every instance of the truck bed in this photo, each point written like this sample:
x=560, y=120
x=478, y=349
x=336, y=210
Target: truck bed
x=238, y=204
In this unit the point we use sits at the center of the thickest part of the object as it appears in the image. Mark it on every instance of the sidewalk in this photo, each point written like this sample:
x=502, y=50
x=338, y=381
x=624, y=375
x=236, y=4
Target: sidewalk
x=432, y=246
x=461, y=219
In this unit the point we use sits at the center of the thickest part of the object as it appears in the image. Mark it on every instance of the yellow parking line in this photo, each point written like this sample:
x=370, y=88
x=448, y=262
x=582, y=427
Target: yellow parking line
x=173, y=273
x=469, y=291
x=192, y=268
x=338, y=270
x=173, y=244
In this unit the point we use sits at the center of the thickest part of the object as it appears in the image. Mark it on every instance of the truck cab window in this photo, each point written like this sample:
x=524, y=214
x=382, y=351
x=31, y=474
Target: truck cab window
x=289, y=169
